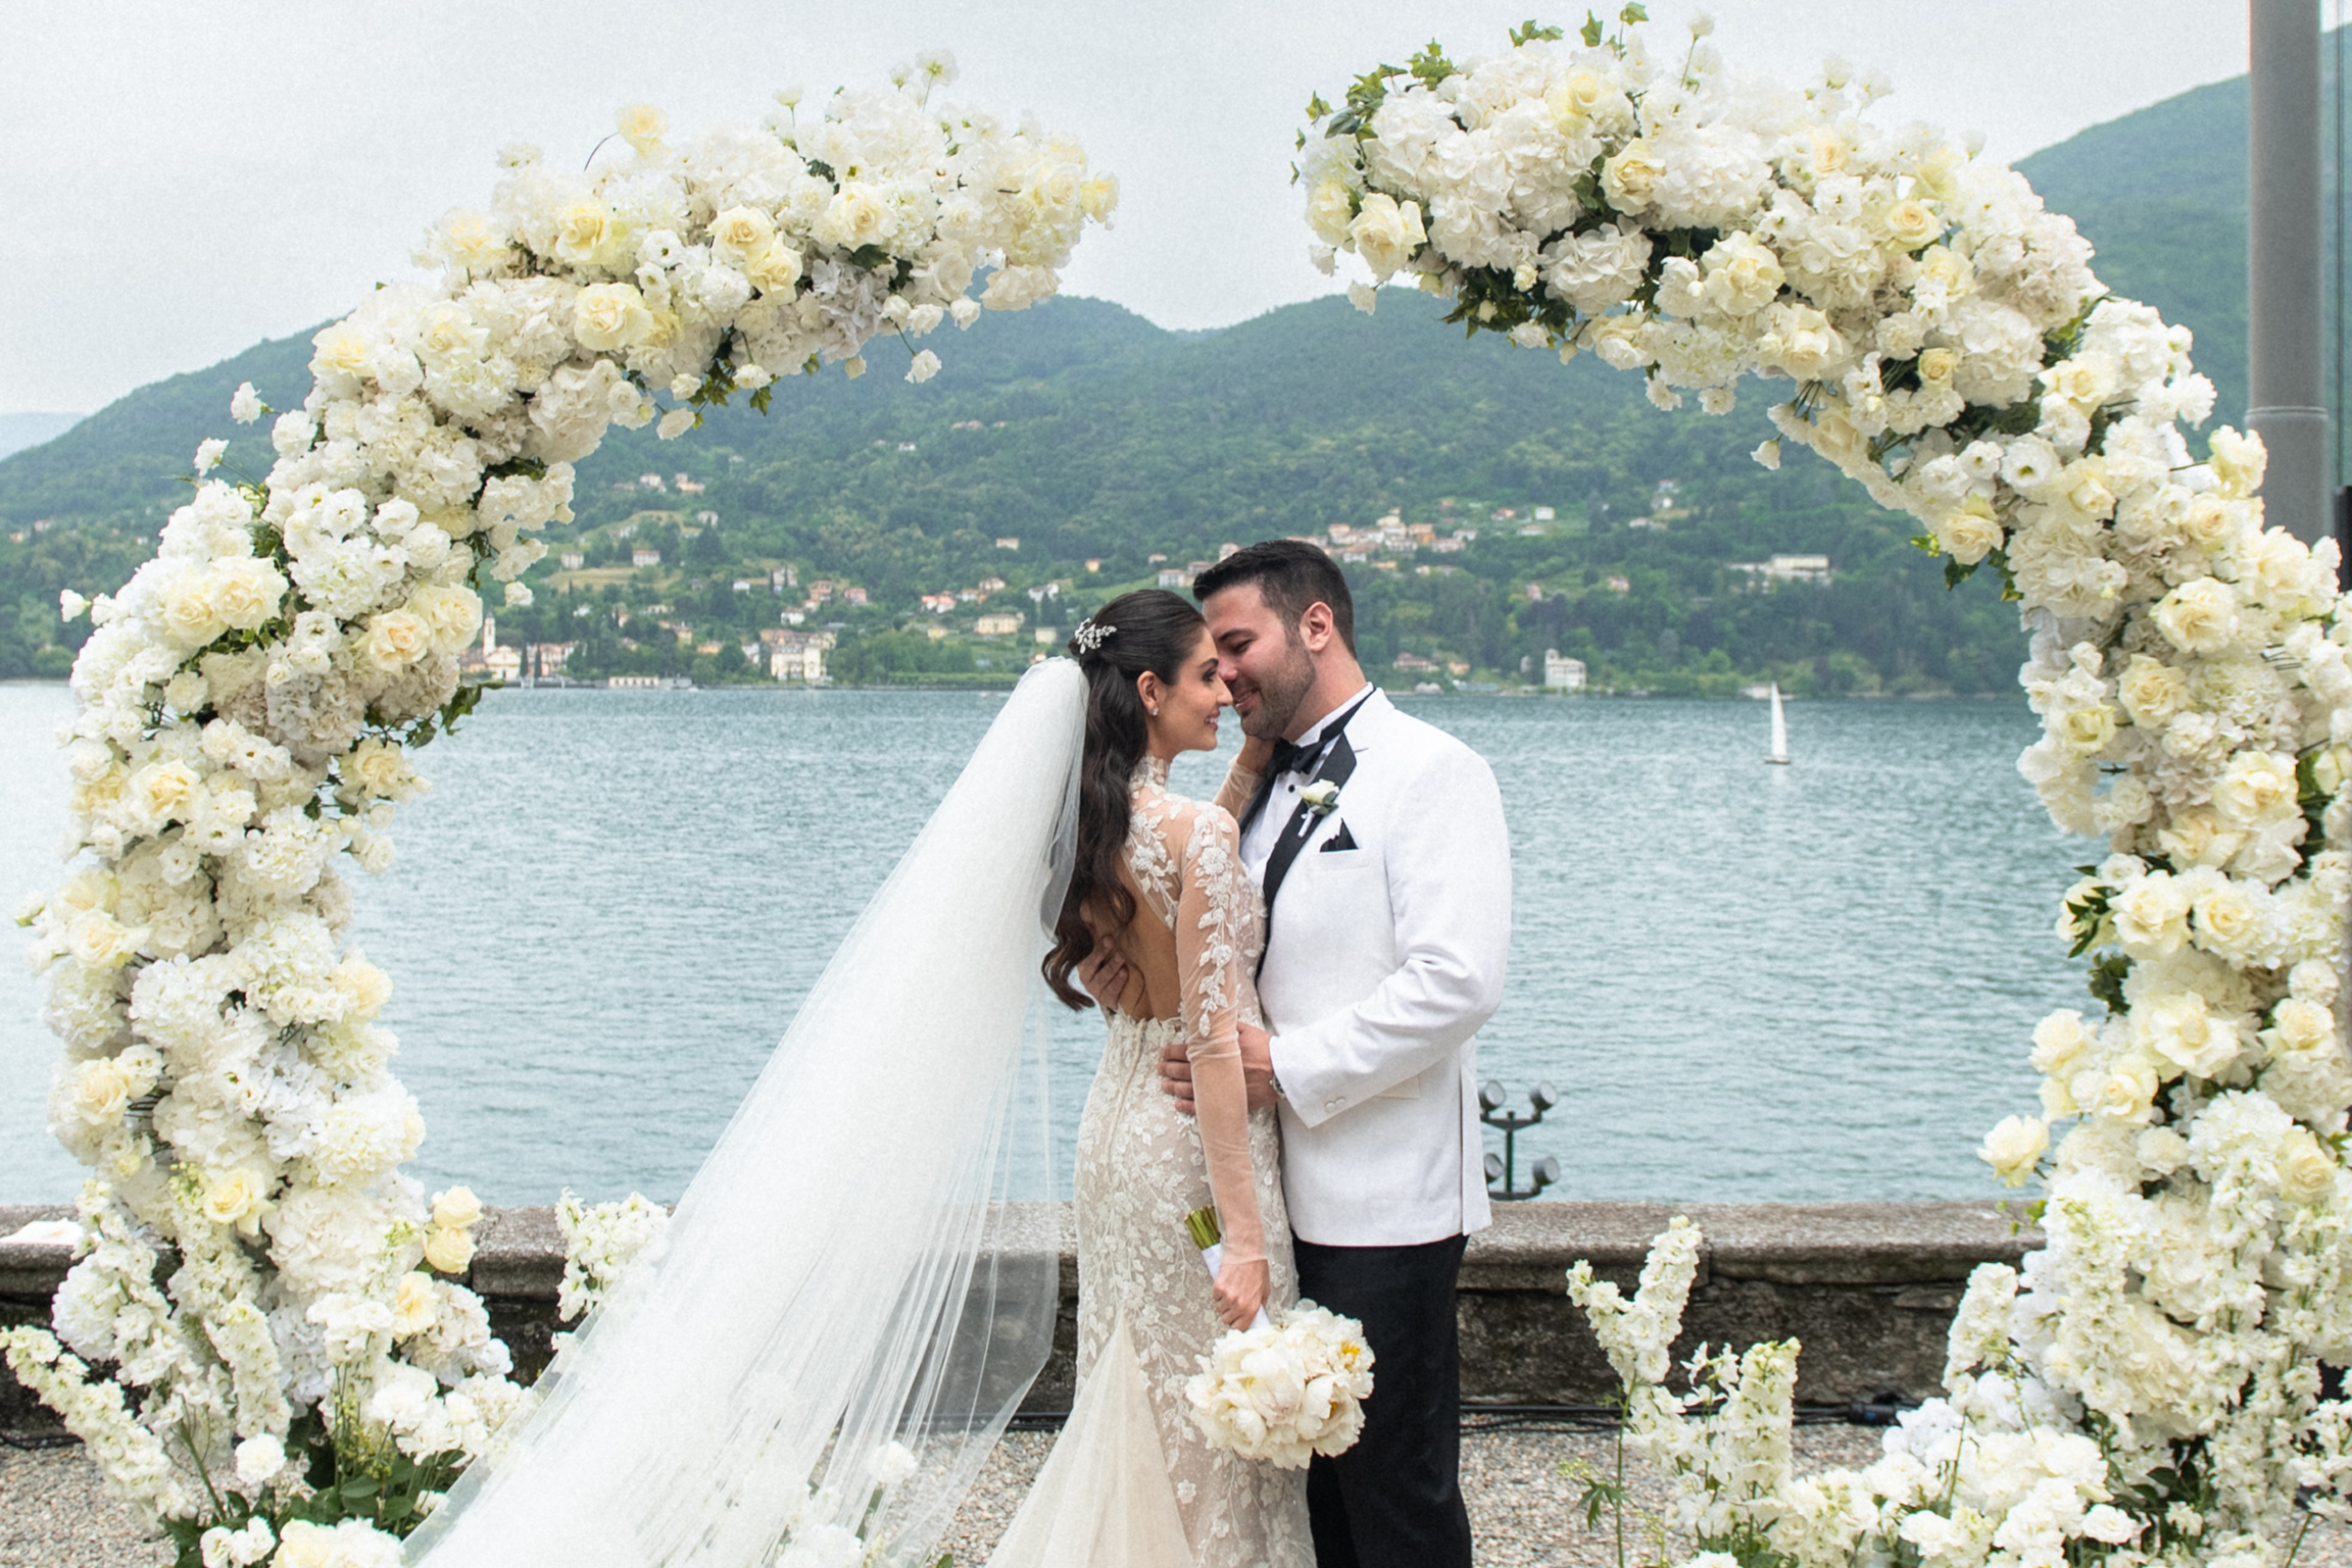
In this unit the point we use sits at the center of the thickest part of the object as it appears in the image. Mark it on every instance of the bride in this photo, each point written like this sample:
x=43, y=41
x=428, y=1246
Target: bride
x=858, y=1287
x=1158, y=878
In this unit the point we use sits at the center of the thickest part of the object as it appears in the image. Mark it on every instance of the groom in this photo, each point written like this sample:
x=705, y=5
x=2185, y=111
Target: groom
x=1379, y=842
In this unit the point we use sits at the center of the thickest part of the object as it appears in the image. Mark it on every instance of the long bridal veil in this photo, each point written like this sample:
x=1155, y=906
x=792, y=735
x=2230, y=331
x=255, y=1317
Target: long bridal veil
x=844, y=1310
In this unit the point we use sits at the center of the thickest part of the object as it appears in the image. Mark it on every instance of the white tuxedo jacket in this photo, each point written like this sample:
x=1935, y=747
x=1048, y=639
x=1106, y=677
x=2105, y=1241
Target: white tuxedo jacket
x=1382, y=961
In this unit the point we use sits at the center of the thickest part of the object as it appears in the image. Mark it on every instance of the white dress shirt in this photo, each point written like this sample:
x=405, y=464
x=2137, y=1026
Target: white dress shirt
x=1258, y=842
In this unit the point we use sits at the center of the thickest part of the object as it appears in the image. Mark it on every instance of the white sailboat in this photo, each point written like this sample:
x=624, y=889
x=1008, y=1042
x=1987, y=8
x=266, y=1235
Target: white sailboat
x=1779, y=753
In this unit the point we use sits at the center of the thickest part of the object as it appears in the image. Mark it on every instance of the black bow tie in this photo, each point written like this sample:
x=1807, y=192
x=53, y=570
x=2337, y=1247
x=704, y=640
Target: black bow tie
x=1289, y=758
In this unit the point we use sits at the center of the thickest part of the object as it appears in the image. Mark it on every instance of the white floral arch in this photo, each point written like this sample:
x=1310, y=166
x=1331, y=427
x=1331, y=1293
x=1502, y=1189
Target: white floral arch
x=2150, y=1388
x=289, y=1352
x=2147, y=1391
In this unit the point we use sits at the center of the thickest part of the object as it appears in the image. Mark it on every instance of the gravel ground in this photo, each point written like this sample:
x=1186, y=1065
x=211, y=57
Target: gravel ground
x=54, y=1512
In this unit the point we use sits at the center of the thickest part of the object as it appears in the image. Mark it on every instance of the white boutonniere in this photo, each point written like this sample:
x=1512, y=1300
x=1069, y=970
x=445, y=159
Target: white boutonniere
x=1320, y=796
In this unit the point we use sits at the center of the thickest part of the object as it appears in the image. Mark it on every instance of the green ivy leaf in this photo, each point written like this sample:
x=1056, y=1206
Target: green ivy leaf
x=1317, y=108
x=1591, y=30
x=2106, y=983
x=1633, y=13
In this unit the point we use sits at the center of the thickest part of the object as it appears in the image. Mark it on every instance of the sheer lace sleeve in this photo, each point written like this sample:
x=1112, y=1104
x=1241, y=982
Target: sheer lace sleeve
x=1210, y=908
x=1240, y=788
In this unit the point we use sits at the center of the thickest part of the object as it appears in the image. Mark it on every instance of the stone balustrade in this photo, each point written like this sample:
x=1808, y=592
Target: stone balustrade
x=1868, y=1288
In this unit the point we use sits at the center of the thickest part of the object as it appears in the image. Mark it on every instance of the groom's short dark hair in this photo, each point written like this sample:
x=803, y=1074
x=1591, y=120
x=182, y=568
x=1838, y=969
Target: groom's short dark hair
x=1291, y=575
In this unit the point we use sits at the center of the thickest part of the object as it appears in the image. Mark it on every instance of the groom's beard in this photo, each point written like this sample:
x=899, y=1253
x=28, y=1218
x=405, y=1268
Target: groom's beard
x=1281, y=691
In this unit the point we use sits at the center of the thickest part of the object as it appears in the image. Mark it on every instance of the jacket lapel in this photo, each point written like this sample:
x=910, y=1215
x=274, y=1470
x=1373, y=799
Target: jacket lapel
x=1339, y=761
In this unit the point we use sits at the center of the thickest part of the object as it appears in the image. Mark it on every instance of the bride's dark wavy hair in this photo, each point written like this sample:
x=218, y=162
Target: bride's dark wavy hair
x=1149, y=629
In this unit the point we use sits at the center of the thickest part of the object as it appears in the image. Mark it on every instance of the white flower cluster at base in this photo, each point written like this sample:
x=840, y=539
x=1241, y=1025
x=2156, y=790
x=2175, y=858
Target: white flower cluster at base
x=1285, y=1392
x=599, y=1242
x=271, y=1292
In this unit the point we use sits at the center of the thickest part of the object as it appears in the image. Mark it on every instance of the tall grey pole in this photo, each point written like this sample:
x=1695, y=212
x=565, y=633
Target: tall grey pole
x=2285, y=343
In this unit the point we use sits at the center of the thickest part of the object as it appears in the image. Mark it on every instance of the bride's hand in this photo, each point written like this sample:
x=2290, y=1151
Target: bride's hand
x=1257, y=751
x=1241, y=1289
x=1103, y=973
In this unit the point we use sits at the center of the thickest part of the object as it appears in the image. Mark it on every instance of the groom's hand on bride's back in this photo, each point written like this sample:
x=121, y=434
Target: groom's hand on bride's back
x=1257, y=1070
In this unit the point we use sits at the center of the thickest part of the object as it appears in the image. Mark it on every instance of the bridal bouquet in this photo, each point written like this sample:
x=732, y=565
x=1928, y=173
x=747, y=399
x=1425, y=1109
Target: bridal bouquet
x=1287, y=1390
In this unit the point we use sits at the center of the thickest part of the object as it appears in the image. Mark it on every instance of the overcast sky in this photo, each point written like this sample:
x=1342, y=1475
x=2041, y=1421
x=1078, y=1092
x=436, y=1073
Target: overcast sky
x=183, y=180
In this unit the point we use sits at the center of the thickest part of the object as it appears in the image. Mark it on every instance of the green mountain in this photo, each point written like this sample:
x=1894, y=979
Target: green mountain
x=2162, y=194
x=1086, y=433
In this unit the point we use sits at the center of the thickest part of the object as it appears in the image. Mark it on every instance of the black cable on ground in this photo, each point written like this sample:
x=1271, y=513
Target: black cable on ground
x=34, y=1442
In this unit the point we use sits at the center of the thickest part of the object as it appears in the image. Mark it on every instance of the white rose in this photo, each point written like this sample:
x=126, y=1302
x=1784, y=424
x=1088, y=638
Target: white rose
x=414, y=1305
x=2124, y=1089
x=188, y=616
x=379, y=768
x=100, y=1093
x=1331, y=207
x=2199, y=616
x=364, y=989
x=2086, y=729
x=1800, y=340
x=2178, y=1029
x=165, y=791
x=773, y=270
x=857, y=215
x=398, y=638
x=457, y=1209
x=2151, y=915
x=246, y=592
x=642, y=127
x=1969, y=536
x=2228, y=916
x=1912, y=225
x=452, y=614
x=2258, y=788
x=1628, y=179
x=2060, y=1041
x=608, y=316
x=96, y=940
x=2306, y=1171
x=586, y=233
x=2152, y=691
x=1743, y=276
x=740, y=232
x=2015, y=1147
x=449, y=1249
x=1386, y=234
x=2300, y=1025
x=234, y=1197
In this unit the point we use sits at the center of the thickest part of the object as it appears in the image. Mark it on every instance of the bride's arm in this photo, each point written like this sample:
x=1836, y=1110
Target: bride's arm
x=1208, y=958
x=1241, y=780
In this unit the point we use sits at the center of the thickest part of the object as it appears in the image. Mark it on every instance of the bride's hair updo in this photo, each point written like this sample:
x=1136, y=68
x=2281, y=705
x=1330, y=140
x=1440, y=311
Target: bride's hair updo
x=1149, y=629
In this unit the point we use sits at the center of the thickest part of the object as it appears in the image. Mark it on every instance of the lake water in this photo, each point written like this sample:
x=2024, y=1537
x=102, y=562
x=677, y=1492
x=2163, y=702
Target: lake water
x=1746, y=982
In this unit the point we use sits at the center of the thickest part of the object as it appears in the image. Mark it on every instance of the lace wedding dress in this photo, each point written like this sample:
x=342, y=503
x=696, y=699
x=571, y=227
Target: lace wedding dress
x=1131, y=1482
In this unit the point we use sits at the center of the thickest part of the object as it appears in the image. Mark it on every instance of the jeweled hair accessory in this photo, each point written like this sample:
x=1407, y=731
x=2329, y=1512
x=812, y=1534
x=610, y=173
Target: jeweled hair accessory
x=1089, y=637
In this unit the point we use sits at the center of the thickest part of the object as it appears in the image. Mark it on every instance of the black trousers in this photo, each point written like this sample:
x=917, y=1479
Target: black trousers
x=1394, y=1499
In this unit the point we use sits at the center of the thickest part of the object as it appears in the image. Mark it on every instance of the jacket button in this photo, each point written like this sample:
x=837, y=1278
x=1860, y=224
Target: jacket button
x=1333, y=1104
